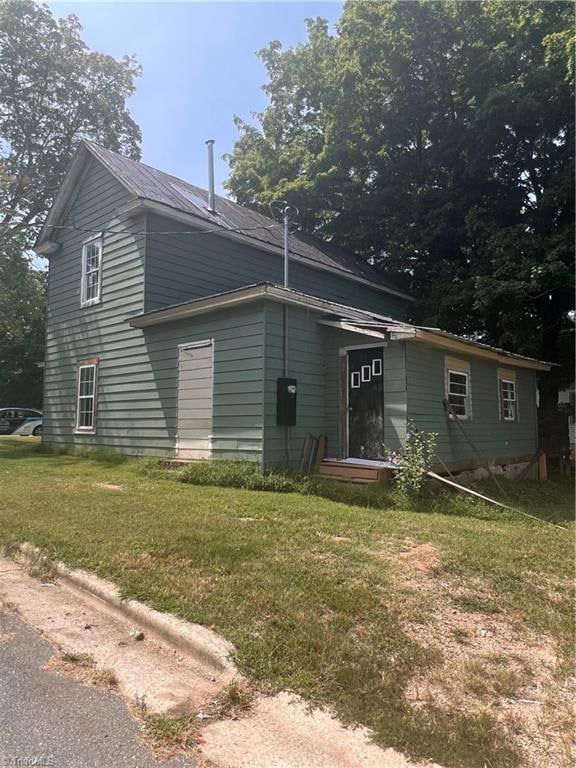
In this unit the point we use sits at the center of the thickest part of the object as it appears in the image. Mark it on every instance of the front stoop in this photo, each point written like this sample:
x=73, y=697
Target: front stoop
x=350, y=471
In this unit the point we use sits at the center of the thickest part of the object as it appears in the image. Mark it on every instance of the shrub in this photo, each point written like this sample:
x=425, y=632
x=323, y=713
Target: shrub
x=412, y=463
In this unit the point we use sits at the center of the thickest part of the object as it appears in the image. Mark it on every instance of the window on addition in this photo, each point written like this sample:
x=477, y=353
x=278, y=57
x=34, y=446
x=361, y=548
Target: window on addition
x=508, y=409
x=459, y=393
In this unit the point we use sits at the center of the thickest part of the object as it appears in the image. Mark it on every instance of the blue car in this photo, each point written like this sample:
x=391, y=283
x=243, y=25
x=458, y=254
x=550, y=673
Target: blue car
x=20, y=421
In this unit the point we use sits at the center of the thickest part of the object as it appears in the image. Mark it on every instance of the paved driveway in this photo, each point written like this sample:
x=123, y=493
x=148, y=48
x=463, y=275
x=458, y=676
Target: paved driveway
x=48, y=720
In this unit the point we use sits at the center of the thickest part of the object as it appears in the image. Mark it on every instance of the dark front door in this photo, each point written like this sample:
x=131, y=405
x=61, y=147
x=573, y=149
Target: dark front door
x=365, y=403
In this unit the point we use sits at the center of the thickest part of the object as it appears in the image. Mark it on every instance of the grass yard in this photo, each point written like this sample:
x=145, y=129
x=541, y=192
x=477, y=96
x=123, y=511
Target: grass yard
x=432, y=627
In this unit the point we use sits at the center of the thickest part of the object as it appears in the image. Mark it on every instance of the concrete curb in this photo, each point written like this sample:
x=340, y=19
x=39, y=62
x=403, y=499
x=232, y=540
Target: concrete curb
x=194, y=640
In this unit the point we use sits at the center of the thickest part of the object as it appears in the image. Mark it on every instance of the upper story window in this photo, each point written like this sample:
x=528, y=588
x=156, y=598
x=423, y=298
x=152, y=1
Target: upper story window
x=91, y=271
x=458, y=388
x=507, y=393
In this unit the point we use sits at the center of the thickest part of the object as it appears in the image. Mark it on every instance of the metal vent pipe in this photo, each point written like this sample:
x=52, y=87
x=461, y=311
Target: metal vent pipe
x=211, y=195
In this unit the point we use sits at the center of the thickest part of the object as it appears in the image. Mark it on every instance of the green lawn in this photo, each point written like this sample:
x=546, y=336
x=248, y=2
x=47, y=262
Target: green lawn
x=346, y=605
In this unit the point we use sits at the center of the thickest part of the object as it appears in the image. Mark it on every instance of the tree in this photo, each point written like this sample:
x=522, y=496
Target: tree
x=54, y=92
x=22, y=304
x=435, y=139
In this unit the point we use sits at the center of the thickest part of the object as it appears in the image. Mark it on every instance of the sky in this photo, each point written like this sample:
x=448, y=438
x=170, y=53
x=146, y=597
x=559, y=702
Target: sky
x=200, y=68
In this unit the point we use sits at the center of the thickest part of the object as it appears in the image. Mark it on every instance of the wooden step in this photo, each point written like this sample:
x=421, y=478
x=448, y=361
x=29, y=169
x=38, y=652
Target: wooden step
x=175, y=463
x=349, y=472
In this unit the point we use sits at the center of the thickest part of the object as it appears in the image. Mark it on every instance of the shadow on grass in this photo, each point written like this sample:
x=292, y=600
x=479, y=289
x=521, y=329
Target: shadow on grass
x=550, y=501
x=21, y=448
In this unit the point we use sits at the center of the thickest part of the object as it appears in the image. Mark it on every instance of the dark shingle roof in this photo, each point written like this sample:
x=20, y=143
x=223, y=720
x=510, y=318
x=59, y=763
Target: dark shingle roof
x=148, y=183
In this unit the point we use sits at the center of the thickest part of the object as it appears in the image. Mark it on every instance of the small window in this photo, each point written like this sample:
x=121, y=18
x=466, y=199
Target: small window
x=86, y=404
x=91, y=271
x=459, y=393
x=508, y=408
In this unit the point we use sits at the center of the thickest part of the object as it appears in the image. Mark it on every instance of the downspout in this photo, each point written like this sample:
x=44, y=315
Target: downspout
x=286, y=264
x=285, y=323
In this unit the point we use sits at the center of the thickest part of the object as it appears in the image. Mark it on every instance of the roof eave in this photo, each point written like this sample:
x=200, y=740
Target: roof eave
x=229, y=300
x=62, y=199
x=353, y=320
x=454, y=343
x=47, y=248
x=44, y=246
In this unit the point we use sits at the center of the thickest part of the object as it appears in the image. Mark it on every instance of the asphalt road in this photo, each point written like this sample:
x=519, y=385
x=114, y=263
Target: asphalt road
x=48, y=720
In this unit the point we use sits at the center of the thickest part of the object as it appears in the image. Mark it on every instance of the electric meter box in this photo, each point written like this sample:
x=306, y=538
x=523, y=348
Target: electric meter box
x=286, y=402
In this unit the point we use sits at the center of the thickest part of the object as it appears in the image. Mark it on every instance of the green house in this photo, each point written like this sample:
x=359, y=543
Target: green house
x=169, y=333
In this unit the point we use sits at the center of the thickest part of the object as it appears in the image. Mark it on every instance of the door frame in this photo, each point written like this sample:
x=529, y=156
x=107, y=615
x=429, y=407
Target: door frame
x=193, y=345
x=344, y=393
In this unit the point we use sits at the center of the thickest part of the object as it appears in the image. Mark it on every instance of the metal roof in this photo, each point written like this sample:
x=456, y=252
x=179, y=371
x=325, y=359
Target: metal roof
x=340, y=315
x=150, y=184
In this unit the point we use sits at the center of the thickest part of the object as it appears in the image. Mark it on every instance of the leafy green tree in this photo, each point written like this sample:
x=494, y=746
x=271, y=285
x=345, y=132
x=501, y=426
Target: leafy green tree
x=22, y=304
x=54, y=92
x=435, y=139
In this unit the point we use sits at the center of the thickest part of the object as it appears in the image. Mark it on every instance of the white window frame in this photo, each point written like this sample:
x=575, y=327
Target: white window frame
x=459, y=368
x=504, y=380
x=83, y=365
x=85, y=302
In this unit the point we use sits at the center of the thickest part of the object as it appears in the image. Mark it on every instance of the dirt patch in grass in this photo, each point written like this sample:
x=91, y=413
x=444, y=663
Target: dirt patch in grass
x=421, y=557
x=410, y=556
x=491, y=666
x=133, y=561
x=109, y=486
x=184, y=562
x=82, y=668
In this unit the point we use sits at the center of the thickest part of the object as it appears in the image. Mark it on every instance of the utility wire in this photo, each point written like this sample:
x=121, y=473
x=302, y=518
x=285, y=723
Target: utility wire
x=76, y=228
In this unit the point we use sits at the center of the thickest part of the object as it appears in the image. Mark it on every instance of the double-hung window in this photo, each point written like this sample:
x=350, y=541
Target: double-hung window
x=458, y=388
x=507, y=392
x=91, y=271
x=86, y=397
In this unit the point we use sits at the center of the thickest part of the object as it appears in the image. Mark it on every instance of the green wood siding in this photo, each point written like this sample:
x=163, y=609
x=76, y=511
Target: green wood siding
x=75, y=333
x=180, y=267
x=306, y=339
x=237, y=420
x=137, y=382
x=492, y=437
x=314, y=360
x=395, y=396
